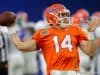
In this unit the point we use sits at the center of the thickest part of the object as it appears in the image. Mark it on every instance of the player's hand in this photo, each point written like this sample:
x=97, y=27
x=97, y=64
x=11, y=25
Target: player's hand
x=93, y=23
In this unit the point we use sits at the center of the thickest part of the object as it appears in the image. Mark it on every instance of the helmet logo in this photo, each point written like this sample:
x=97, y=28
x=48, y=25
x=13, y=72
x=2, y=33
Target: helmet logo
x=51, y=10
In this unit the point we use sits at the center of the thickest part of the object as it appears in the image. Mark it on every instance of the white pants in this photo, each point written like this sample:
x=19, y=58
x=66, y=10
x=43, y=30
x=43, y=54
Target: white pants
x=96, y=65
x=56, y=72
x=16, y=64
x=30, y=62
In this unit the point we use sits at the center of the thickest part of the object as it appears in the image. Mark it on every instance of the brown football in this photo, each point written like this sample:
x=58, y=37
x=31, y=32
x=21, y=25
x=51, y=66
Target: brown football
x=7, y=18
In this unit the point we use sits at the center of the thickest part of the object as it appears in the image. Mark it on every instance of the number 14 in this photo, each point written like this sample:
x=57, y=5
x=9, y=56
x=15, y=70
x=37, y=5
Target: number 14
x=66, y=43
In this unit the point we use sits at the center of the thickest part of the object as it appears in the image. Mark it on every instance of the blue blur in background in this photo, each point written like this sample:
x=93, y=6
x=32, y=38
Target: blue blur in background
x=34, y=8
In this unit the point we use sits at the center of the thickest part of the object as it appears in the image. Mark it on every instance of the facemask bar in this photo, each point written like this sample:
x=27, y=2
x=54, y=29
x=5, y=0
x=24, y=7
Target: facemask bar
x=64, y=18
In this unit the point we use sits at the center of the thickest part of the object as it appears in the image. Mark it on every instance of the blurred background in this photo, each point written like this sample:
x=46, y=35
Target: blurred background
x=34, y=8
x=30, y=19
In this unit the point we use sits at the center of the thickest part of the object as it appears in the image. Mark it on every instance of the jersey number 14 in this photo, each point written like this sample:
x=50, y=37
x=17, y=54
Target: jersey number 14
x=66, y=43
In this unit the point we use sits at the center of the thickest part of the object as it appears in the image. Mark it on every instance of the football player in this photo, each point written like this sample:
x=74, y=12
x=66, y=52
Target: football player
x=94, y=27
x=9, y=66
x=7, y=18
x=59, y=42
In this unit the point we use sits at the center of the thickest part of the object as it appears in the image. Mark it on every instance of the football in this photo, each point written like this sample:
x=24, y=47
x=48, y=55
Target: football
x=7, y=18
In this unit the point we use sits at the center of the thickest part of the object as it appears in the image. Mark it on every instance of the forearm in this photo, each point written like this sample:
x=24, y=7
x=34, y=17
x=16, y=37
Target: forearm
x=23, y=46
x=91, y=47
x=16, y=41
x=91, y=28
x=88, y=47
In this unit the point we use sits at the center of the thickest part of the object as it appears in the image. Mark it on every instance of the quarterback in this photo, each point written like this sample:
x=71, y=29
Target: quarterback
x=59, y=42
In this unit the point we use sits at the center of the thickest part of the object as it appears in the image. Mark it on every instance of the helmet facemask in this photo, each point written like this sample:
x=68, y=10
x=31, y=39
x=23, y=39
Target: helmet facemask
x=64, y=19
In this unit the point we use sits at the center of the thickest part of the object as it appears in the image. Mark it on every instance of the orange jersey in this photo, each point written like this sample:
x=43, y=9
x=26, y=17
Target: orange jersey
x=60, y=47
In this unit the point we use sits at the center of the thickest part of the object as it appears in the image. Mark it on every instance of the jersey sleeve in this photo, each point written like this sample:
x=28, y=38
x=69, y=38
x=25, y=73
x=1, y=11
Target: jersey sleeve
x=81, y=35
x=36, y=37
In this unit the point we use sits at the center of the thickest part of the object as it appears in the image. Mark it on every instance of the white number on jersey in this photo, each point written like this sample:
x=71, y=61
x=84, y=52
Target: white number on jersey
x=66, y=43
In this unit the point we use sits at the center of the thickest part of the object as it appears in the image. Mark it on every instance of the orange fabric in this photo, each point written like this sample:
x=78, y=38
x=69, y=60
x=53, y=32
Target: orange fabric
x=64, y=59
